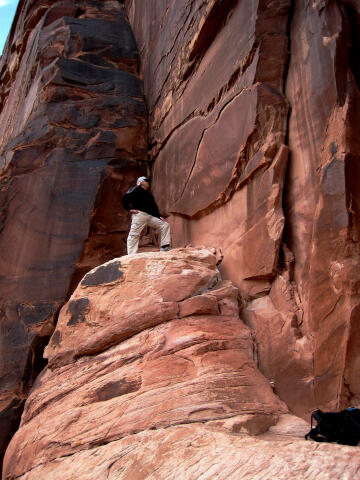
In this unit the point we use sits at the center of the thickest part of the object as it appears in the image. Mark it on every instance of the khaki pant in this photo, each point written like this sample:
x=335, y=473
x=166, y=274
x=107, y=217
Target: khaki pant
x=138, y=222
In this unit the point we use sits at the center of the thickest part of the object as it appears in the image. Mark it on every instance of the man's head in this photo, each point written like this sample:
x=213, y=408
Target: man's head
x=144, y=182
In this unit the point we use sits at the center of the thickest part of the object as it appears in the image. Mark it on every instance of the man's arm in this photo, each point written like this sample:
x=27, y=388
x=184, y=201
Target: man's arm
x=126, y=202
x=155, y=208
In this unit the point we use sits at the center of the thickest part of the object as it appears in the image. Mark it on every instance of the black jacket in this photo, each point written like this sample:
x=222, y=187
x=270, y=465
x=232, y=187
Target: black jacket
x=137, y=198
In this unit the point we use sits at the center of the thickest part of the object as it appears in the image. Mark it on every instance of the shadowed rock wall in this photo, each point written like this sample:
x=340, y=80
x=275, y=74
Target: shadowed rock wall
x=72, y=140
x=253, y=112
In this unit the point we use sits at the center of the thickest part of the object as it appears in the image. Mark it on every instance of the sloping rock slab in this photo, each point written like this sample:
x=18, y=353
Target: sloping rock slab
x=193, y=452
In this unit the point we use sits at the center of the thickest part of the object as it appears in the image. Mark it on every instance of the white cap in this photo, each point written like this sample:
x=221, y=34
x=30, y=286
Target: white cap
x=142, y=179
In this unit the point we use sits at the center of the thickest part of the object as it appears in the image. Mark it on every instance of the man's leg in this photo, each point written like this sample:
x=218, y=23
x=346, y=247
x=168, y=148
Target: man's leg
x=138, y=222
x=162, y=227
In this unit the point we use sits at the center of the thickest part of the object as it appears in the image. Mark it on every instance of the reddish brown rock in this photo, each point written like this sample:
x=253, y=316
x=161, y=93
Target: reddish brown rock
x=277, y=320
x=197, y=451
x=123, y=359
x=217, y=126
x=208, y=138
x=199, y=305
x=253, y=130
x=71, y=105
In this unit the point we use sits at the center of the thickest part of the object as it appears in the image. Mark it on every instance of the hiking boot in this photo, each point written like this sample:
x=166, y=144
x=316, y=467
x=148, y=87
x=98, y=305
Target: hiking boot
x=165, y=248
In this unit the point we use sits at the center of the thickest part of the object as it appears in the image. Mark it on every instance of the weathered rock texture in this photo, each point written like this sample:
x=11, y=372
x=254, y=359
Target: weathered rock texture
x=195, y=451
x=253, y=115
x=151, y=375
x=323, y=232
x=72, y=119
x=213, y=78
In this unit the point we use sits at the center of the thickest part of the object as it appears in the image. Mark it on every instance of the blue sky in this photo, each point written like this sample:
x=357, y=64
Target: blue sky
x=7, y=11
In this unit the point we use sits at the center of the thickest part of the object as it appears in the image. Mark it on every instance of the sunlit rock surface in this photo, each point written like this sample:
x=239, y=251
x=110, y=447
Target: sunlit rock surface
x=253, y=114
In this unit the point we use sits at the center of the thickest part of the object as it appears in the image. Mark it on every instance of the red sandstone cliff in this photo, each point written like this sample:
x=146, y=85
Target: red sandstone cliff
x=253, y=115
x=252, y=111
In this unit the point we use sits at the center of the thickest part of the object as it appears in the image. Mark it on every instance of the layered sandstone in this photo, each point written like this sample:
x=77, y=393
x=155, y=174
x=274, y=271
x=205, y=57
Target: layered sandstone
x=214, y=87
x=151, y=375
x=72, y=123
x=253, y=114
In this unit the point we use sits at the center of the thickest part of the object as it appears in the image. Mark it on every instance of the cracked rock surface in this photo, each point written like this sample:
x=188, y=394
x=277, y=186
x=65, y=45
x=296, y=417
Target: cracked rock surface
x=249, y=111
x=161, y=384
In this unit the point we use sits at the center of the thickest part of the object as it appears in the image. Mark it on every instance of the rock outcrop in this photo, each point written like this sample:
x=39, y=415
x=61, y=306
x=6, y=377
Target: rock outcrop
x=151, y=375
x=72, y=122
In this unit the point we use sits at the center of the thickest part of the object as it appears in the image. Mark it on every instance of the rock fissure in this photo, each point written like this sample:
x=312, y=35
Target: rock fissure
x=200, y=140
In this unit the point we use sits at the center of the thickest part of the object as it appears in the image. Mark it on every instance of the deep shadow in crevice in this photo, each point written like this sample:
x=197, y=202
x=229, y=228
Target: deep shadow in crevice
x=35, y=362
x=9, y=423
x=213, y=24
x=354, y=48
x=287, y=234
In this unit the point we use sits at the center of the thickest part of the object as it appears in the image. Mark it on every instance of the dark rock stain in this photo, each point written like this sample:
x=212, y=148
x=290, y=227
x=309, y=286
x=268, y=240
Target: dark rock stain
x=55, y=339
x=32, y=314
x=77, y=309
x=116, y=389
x=104, y=274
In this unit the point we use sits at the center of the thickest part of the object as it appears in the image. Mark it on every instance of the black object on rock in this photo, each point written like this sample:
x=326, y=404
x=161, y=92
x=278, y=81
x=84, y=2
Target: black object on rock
x=341, y=427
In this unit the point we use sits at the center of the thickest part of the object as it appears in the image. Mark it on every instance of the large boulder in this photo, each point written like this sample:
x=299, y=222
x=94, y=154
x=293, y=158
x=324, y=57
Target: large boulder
x=152, y=375
x=145, y=342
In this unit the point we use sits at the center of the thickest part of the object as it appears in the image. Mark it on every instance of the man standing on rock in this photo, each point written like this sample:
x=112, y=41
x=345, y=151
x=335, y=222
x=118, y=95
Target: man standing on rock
x=145, y=212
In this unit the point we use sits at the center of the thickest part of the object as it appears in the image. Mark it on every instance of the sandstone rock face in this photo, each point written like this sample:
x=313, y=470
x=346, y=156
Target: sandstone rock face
x=217, y=125
x=324, y=223
x=72, y=119
x=253, y=113
x=151, y=375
